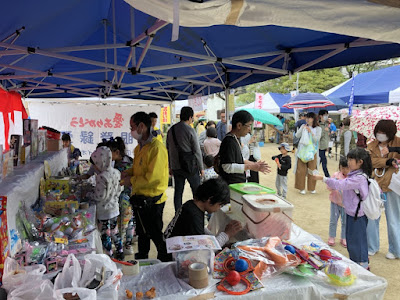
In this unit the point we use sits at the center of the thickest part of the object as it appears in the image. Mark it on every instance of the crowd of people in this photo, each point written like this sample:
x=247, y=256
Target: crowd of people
x=214, y=157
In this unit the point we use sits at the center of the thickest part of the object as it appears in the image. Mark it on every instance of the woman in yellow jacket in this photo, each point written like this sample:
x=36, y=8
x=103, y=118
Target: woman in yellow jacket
x=384, y=164
x=149, y=180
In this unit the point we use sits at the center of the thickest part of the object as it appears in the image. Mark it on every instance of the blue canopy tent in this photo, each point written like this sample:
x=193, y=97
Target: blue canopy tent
x=105, y=48
x=381, y=86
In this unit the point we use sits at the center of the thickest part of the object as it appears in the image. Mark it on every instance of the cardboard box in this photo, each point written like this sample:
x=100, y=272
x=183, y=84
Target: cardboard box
x=30, y=131
x=42, y=141
x=54, y=145
x=4, y=248
x=16, y=144
x=25, y=152
x=61, y=184
x=8, y=162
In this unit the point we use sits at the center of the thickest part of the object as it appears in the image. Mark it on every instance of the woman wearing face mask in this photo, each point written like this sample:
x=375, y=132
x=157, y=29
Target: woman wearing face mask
x=347, y=140
x=384, y=164
x=301, y=168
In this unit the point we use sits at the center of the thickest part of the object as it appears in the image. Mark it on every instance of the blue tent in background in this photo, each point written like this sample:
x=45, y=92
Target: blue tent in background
x=381, y=86
x=92, y=48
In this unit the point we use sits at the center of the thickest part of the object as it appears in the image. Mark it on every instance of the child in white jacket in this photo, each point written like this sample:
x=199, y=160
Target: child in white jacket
x=106, y=195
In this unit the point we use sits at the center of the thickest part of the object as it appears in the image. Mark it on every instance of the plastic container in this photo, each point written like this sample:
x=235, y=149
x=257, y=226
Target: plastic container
x=250, y=188
x=261, y=144
x=268, y=215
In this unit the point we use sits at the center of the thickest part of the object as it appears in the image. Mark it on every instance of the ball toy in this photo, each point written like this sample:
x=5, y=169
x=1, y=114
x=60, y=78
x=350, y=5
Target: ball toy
x=325, y=254
x=241, y=265
x=303, y=254
x=233, y=278
x=290, y=248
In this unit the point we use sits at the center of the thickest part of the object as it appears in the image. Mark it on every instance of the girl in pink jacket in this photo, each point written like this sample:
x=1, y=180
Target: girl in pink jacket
x=336, y=197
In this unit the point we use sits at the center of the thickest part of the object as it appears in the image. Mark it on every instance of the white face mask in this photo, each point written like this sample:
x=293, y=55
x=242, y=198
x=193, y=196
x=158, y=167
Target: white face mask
x=381, y=137
x=136, y=135
x=325, y=118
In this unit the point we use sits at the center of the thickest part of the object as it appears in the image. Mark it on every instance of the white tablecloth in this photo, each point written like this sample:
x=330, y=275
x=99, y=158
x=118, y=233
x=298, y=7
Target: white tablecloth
x=23, y=185
x=284, y=286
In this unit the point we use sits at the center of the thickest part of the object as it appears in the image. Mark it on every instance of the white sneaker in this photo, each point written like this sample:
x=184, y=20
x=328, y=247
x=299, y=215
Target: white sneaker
x=371, y=253
x=128, y=250
x=390, y=255
x=303, y=192
x=313, y=192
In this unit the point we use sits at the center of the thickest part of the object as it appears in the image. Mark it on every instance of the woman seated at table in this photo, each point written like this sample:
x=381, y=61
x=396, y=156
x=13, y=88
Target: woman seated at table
x=189, y=219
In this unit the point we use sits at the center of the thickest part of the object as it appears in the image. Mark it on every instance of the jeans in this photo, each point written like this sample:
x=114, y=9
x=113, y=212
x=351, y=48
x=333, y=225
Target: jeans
x=278, y=136
x=322, y=157
x=180, y=177
x=336, y=211
x=356, y=237
x=149, y=225
x=281, y=185
x=392, y=211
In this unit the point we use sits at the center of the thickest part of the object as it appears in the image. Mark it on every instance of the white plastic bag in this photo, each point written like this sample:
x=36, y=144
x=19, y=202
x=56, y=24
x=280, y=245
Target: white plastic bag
x=70, y=275
x=84, y=294
x=109, y=289
x=395, y=183
x=35, y=290
x=256, y=152
x=14, y=275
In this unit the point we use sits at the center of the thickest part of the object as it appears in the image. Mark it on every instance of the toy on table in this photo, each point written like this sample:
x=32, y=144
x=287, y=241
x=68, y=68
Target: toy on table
x=307, y=256
x=225, y=268
x=151, y=293
x=326, y=255
x=339, y=273
x=129, y=294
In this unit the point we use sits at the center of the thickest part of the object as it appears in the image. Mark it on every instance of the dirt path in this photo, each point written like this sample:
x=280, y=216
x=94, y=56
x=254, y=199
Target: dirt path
x=312, y=213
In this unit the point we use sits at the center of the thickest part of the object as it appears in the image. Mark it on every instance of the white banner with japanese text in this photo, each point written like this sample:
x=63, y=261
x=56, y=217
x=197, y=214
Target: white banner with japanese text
x=258, y=104
x=88, y=124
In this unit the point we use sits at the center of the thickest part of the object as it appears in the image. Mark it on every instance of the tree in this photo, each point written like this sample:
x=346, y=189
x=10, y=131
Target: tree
x=316, y=81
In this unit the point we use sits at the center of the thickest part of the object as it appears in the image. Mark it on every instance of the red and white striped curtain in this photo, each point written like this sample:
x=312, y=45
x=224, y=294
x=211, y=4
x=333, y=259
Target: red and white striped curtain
x=12, y=112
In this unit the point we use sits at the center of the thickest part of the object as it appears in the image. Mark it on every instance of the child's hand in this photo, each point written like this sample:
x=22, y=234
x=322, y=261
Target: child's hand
x=232, y=228
x=318, y=177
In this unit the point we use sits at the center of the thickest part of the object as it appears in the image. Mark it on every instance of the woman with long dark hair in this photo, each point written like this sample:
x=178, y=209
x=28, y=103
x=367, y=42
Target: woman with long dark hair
x=301, y=167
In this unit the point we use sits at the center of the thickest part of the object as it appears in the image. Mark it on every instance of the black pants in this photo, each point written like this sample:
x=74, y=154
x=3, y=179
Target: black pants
x=253, y=174
x=149, y=225
x=323, y=161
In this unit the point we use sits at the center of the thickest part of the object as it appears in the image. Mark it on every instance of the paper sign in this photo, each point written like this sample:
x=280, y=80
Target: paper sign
x=192, y=242
x=258, y=104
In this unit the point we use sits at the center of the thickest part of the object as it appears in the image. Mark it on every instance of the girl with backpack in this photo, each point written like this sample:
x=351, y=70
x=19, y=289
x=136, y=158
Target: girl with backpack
x=360, y=166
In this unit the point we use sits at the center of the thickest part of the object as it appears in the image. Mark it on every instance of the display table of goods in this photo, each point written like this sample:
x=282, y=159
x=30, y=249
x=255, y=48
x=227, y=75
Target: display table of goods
x=303, y=267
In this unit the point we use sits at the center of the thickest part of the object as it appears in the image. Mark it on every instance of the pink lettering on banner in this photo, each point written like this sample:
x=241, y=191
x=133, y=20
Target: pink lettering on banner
x=74, y=122
x=107, y=123
x=81, y=123
x=99, y=123
x=91, y=123
x=118, y=119
x=258, y=104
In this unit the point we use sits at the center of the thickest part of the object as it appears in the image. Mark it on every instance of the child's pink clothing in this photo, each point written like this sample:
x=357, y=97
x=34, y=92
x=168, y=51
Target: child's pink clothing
x=336, y=196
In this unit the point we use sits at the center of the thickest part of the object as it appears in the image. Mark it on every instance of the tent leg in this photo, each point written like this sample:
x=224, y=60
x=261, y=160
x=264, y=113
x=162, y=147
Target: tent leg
x=227, y=112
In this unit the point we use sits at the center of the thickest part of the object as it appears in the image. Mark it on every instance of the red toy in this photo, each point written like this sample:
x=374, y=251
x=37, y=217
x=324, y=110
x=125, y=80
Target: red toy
x=233, y=278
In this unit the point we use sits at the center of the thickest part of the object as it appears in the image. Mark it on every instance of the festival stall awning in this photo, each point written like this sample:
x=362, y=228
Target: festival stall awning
x=109, y=49
x=381, y=86
x=272, y=103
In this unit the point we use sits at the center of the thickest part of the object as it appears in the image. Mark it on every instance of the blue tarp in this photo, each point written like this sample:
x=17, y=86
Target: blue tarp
x=50, y=24
x=381, y=86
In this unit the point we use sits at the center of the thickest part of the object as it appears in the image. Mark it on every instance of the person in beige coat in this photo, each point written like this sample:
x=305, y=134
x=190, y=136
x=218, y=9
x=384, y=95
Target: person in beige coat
x=384, y=164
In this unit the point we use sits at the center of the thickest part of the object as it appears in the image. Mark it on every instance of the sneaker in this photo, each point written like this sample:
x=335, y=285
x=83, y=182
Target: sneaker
x=120, y=256
x=370, y=253
x=331, y=241
x=303, y=192
x=390, y=255
x=141, y=256
x=128, y=250
x=313, y=192
x=343, y=243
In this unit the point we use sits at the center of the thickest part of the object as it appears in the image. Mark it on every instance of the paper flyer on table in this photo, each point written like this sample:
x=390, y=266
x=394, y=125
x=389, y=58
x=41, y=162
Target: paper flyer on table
x=192, y=242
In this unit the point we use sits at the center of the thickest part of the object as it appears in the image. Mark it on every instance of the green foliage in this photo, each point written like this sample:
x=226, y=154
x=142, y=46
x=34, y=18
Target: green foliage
x=292, y=124
x=316, y=81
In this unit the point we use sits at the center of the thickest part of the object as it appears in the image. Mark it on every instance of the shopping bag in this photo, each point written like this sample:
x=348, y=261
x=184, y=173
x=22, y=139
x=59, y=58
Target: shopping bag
x=307, y=149
x=395, y=183
x=14, y=275
x=35, y=290
x=109, y=280
x=82, y=293
x=70, y=275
